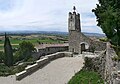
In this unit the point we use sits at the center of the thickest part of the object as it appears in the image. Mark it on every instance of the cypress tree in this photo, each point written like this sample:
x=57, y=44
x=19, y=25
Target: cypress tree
x=8, y=52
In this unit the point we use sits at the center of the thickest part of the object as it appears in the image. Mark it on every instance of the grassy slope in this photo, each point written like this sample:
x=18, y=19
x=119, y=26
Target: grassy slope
x=86, y=77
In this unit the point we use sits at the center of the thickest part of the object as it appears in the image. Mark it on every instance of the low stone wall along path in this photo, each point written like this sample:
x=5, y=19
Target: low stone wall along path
x=58, y=71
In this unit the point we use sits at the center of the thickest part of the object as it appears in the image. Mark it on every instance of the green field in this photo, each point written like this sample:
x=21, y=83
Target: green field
x=86, y=77
x=35, y=39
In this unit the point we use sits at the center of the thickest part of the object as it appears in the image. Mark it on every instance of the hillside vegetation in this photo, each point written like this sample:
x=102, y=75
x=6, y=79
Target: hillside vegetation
x=35, y=39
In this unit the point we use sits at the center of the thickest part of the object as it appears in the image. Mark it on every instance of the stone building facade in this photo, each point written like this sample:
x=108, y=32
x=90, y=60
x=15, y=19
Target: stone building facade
x=78, y=42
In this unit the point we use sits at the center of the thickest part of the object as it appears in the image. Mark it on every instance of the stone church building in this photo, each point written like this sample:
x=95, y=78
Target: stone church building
x=78, y=42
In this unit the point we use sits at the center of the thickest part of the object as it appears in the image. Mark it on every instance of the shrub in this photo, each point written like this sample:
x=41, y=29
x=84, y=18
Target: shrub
x=5, y=70
x=1, y=57
x=25, y=51
x=104, y=39
x=116, y=58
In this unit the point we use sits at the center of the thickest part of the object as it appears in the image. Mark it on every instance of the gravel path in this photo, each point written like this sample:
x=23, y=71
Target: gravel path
x=58, y=71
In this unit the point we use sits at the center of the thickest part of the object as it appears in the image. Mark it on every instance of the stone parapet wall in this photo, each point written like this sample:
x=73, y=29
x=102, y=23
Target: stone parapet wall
x=99, y=46
x=48, y=50
x=30, y=69
x=100, y=63
x=106, y=66
x=21, y=75
x=97, y=63
x=55, y=56
x=111, y=66
x=40, y=63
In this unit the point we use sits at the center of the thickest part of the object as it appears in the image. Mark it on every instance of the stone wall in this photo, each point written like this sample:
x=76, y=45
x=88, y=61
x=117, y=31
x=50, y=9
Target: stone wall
x=100, y=63
x=106, y=66
x=30, y=69
x=48, y=50
x=74, y=42
x=96, y=64
x=40, y=63
x=76, y=38
x=111, y=66
x=99, y=46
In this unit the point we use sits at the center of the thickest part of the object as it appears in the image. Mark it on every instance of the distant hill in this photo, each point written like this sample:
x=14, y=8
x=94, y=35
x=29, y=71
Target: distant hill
x=34, y=32
x=48, y=32
x=94, y=34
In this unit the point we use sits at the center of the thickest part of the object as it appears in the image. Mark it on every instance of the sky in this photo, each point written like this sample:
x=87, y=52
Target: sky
x=46, y=15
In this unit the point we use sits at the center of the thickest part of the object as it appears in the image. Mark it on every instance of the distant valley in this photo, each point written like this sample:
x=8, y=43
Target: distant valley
x=47, y=32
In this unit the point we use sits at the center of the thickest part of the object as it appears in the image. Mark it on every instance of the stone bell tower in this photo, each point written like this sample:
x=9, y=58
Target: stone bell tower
x=74, y=21
x=74, y=29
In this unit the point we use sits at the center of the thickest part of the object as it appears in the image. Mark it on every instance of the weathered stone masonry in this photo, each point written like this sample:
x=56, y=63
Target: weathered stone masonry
x=77, y=38
x=106, y=66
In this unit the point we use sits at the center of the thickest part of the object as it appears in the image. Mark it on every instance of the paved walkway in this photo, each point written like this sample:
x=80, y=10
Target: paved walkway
x=58, y=71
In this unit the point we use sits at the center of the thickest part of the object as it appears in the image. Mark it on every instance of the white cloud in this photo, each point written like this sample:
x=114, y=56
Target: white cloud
x=46, y=14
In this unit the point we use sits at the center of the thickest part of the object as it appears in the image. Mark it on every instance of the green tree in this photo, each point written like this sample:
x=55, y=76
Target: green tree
x=1, y=57
x=25, y=51
x=108, y=18
x=8, y=52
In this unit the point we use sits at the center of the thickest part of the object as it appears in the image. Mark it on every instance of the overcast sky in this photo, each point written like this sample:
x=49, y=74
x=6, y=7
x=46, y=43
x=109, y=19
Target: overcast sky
x=45, y=15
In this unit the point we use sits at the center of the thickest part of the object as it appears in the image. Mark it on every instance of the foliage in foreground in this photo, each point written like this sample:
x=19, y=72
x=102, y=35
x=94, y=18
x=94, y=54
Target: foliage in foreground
x=86, y=77
x=25, y=51
x=108, y=18
x=1, y=57
x=104, y=39
x=5, y=70
x=23, y=56
x=117, y=49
